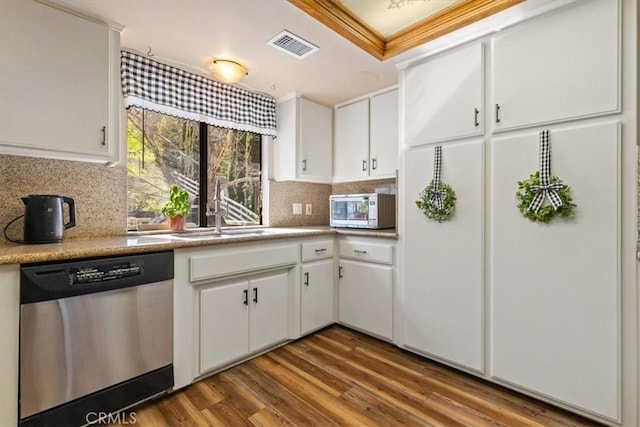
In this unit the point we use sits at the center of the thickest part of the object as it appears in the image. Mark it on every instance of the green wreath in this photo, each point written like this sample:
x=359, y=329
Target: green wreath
x=546, y=213
x=427, y=206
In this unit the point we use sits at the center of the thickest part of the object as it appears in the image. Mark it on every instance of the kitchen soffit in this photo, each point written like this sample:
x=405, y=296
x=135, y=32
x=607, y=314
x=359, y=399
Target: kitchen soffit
x=385, y=28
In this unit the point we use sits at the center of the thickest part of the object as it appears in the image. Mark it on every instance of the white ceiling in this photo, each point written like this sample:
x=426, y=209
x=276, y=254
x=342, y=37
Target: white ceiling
x=188, y=33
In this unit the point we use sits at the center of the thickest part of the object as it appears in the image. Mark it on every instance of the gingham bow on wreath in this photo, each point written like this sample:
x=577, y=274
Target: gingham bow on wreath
x=545, y=188
x=533, y=192
x=438, y=200
x=437, y=194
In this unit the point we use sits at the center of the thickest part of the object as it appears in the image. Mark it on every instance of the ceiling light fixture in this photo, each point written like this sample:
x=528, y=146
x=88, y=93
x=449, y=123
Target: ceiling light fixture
x=227, y=71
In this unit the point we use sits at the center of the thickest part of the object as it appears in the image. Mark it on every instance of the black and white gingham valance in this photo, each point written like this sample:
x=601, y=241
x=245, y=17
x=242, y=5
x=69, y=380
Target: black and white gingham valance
x=165, y=89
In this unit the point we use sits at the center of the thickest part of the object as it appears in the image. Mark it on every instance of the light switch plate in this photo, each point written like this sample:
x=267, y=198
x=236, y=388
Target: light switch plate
x=297, y=208
x=307, y=209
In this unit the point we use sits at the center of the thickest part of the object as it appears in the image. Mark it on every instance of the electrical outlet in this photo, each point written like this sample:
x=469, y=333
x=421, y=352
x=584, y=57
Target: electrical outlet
x=297, y=208
x=307, y=209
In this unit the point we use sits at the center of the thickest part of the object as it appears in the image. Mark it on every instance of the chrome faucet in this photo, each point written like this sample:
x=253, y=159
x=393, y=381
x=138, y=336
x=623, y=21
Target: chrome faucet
x=218, y=210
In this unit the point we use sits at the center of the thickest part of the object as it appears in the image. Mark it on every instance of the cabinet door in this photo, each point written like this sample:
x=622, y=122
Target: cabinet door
x=224, y=324
x=366, y=297
x=315, y=142
x=55, y=83
x=285, y=146
x=383, y=143
x=351, y=150
x=558, y=66
x=443, y=262
x=317, y=295
x=555, y=291
x=443, y=97
x=269, y=300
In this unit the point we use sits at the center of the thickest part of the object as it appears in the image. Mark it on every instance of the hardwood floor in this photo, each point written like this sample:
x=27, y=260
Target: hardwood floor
x=338, y=377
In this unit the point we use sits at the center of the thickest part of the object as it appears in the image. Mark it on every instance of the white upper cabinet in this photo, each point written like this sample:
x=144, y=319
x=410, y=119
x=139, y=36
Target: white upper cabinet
x=559, y=66
x=59, y=84
x=302, y=150
x=383, y=140
x=444, y=97
x=366, y=138
x=351, y=155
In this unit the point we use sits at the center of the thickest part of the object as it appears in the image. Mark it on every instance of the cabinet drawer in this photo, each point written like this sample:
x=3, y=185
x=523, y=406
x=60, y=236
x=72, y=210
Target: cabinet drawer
x=217, y=264
x=317, y=250
x=366, y=251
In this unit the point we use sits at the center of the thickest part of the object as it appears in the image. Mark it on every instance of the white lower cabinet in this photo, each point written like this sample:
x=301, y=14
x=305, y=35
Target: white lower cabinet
x=224, y=324
x=365, y=288
x=231, y=302
x=240, y=318
x=317, y=285
x=317, y=299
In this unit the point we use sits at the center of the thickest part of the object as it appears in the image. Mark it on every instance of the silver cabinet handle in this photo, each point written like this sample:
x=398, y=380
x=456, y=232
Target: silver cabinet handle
x=374, y=163
x=364, y=165
x=104, y=135
x=318, y=251
x=304, y=165
x=359, y=251
x=475, y=117
x=497, y=113
x=306, y=278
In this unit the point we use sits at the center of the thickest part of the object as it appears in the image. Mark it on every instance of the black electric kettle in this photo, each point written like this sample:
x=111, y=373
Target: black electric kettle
x=44, y=218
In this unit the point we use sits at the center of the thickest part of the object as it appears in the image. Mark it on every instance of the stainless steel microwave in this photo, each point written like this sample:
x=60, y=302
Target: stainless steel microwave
x=370, y=210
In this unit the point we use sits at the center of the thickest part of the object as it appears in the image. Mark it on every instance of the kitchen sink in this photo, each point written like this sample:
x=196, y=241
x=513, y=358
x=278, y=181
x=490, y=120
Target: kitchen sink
x=212, y=234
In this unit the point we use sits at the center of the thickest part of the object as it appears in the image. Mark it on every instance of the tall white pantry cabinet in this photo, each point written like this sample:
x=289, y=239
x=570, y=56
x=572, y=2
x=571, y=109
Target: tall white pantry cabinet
x=550, y=310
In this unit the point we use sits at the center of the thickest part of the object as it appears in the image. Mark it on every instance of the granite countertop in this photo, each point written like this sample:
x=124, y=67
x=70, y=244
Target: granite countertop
x=11, y=253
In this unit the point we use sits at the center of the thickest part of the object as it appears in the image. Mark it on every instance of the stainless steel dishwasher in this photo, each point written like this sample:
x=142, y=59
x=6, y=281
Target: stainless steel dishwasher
x=96, y=336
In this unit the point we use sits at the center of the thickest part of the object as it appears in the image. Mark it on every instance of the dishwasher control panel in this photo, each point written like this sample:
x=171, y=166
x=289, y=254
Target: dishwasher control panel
x=56, y=280
x=102, y=273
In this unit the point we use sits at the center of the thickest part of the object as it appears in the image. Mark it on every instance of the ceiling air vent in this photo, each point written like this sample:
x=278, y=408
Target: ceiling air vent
x=292, y=44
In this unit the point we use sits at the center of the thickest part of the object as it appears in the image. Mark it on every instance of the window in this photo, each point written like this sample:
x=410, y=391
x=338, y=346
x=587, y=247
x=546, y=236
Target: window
x=163, y=150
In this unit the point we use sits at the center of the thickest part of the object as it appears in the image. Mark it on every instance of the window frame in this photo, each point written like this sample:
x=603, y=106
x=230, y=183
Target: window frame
x=203, y=188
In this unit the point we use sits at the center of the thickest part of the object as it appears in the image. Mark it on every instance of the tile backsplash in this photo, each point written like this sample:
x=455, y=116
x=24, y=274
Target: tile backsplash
x=100, y=193
x=283, y=194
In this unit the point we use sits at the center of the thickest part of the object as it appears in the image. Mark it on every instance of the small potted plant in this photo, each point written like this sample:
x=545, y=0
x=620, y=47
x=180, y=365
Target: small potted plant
x=177, y=208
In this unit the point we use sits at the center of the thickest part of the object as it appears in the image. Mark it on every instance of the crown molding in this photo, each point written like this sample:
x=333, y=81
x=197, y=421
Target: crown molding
x=332, y=14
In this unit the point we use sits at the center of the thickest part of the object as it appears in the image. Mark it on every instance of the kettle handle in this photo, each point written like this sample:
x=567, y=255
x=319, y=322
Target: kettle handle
x=72, y=212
